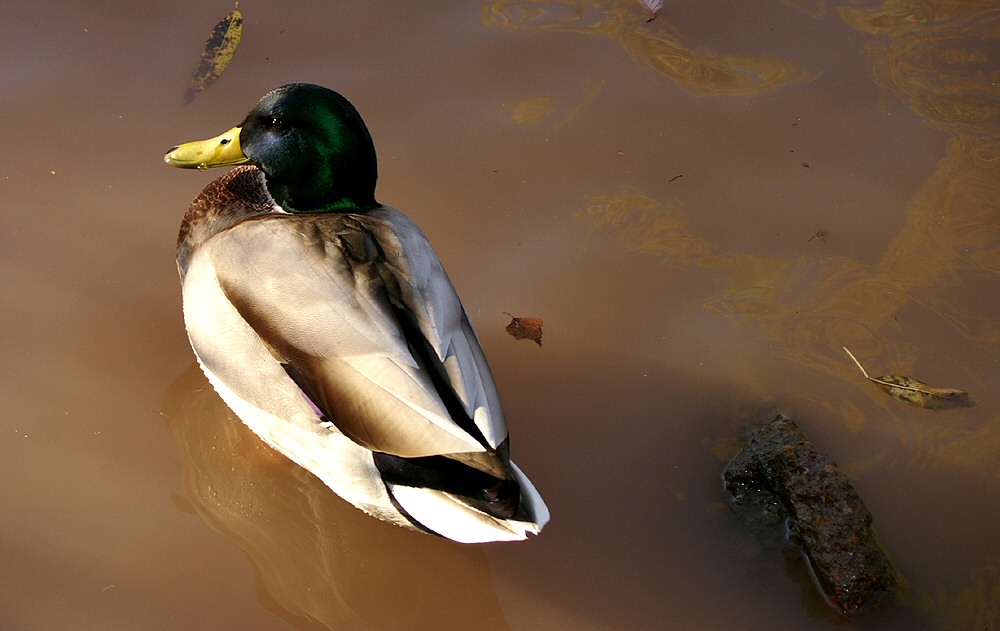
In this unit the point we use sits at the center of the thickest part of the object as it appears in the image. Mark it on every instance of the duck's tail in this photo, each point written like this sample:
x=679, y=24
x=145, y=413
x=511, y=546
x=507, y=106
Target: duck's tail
x=454, y=517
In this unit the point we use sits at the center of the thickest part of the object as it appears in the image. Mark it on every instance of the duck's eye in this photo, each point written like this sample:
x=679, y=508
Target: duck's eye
x=276, y=124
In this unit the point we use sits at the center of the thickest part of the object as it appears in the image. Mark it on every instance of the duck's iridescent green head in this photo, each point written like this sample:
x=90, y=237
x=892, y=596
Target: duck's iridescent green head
x=309, y=141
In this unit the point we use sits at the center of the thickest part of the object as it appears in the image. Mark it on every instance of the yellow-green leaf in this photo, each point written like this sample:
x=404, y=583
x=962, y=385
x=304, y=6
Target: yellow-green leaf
x=217, y=54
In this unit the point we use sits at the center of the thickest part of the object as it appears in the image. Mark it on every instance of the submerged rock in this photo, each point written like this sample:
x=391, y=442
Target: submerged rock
x=780, y=477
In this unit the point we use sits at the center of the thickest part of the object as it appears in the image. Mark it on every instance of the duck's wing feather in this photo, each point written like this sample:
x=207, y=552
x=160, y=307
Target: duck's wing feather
x=428, y=296
x=338, y=299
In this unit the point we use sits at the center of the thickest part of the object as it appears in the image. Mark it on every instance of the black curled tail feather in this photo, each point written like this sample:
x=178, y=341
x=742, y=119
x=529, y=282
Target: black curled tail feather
x=482, y=491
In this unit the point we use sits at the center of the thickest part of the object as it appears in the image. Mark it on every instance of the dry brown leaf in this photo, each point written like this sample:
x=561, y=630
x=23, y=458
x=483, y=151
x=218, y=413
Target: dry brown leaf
x=217, y=54
x=916, y=392
x=525, y=328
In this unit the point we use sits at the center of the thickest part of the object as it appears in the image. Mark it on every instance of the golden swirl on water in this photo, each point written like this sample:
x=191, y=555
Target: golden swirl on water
x=939, y=58
x=644, y=224
x=702, y=72
x=535, y=109
x=531, y=110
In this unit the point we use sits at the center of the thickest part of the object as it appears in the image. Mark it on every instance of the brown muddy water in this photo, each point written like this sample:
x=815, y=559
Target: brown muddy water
x=704, y=209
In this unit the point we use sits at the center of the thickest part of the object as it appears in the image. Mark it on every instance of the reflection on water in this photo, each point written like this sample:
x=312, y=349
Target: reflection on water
x=654, y=44
x=318, y=560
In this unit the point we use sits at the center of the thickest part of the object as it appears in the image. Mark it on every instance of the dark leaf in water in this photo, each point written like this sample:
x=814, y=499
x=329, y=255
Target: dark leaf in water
x=917, y=392
x=526, y=328
x=217, y=54
x=820, y=235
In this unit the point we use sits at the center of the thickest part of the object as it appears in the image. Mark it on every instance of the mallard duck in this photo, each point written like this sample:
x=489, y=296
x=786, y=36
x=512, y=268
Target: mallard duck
x=326, y=321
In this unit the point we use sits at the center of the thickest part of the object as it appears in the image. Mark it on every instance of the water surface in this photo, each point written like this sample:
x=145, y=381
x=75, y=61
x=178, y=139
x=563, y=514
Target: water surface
x=704, y=209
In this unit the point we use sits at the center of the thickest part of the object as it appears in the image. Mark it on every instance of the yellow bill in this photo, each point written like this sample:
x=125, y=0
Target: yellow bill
x=222, y=151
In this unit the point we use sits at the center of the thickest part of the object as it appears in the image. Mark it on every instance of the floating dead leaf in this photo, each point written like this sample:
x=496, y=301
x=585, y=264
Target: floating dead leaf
x=916, y=392
x=217, y=54
x=525, y=328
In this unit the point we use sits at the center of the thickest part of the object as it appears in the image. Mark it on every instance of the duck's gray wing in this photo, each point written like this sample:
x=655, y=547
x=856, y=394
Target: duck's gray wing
x=328, y=298
x=428, y=296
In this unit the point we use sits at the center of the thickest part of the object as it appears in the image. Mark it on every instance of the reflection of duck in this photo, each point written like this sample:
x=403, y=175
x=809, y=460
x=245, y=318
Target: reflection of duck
x=327, y=323
x=319, y=564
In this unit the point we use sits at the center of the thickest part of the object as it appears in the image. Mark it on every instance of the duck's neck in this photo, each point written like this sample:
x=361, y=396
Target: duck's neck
x=327, y=180
x=295, y=201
